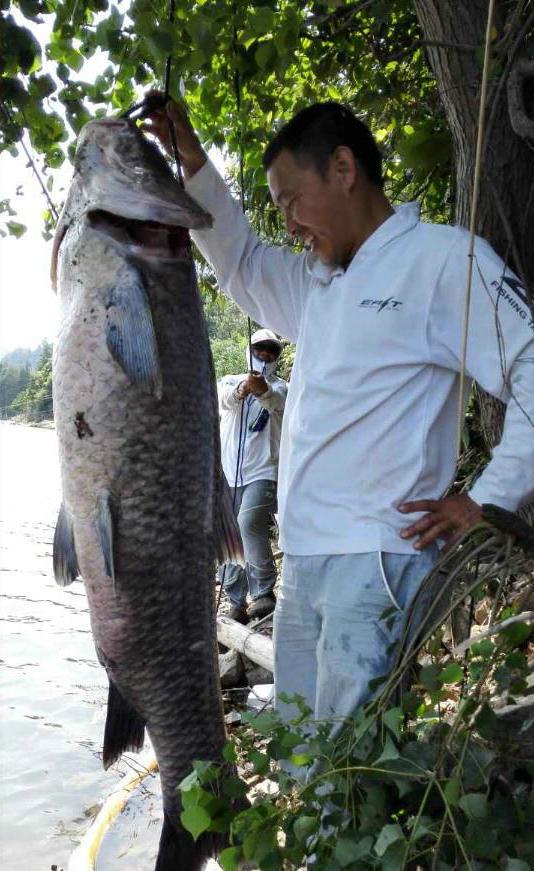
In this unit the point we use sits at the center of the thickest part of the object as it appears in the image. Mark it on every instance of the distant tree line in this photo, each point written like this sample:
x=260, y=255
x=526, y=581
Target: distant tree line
x=26, y=375
x=26, y=386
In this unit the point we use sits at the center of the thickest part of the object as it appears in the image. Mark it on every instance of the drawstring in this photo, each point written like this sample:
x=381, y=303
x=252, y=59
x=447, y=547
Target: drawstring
x=386, y=585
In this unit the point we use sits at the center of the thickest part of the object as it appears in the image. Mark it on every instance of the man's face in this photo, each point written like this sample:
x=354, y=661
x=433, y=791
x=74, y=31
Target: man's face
x=317, y=210
x=267, y=352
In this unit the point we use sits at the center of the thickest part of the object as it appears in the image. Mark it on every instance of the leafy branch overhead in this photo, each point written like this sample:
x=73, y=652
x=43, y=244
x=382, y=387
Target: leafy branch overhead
x=286, y=54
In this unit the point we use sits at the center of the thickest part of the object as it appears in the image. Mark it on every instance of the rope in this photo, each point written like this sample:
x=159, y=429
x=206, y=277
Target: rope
x=167, y=86
x=472, y=225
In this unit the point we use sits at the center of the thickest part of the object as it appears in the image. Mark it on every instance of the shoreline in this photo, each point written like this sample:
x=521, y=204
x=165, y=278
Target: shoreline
x=36, y=424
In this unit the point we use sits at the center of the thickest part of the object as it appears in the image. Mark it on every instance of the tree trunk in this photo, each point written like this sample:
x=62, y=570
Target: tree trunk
x=506, y=199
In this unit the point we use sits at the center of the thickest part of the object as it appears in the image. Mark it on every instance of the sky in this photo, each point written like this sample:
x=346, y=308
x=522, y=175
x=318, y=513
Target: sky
x=28, y=306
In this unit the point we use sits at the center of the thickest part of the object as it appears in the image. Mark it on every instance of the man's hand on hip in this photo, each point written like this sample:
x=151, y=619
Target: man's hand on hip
x=447, y=518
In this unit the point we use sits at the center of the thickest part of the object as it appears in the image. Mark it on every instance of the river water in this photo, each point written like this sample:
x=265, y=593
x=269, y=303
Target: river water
x=53, y=690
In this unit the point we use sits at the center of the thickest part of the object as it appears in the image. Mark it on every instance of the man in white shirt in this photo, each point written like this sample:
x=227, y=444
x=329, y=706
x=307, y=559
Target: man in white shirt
x=375, y=307
x=252, y=407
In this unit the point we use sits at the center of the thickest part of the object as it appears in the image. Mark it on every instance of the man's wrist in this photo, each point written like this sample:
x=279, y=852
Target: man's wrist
x=192, y=163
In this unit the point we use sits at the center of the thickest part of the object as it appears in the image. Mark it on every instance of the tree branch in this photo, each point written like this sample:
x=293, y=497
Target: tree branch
x=524, y=617
x=521, y=122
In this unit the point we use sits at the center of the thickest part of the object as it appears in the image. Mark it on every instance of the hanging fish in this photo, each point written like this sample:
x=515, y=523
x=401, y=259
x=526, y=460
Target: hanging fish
x=146, y=510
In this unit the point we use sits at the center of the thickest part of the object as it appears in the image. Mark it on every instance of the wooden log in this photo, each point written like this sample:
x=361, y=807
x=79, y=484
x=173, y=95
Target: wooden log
x=253, y=645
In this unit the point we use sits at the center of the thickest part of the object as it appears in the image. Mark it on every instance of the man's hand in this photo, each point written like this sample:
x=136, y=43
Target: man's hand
x=192, y=155
x=447, y=518
x=253, y=383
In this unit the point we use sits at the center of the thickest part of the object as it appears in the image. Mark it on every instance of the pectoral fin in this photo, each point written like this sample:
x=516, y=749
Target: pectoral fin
x=228, y=537
x=65, y=560
x=106, y=532
x=131, y=337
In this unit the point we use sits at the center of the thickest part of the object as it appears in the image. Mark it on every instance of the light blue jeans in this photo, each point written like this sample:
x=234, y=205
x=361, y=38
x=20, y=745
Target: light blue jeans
x=329, y=638
x=255, y=505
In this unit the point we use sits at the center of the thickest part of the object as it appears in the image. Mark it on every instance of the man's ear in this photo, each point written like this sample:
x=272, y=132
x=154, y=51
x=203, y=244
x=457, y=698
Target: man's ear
x=345, y=166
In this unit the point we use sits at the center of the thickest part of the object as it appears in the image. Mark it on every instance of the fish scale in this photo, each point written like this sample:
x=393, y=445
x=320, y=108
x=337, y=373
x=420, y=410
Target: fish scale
x=143, y=492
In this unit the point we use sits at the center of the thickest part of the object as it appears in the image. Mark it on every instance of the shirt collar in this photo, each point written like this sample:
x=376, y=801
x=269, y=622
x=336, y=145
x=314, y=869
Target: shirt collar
x=404, y=218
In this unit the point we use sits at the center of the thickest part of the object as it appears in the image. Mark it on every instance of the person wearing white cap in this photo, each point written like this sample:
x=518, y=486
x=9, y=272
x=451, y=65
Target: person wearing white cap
x=251, y=407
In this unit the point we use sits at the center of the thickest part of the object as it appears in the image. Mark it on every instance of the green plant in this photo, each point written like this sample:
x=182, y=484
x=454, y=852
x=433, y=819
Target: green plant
x=418, y=779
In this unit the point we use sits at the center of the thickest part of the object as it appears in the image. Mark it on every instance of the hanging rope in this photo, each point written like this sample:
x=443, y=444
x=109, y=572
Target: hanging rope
x=472, y=224
x=167, y=87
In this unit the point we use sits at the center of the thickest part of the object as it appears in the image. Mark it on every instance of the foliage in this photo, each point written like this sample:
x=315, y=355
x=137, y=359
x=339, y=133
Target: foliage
x=285, y=54
x=13, y=379
x=35, y=401
x=416, y=781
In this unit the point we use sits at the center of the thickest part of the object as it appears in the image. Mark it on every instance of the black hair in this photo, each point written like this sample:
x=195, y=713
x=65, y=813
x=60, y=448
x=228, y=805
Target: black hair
x=315, y=133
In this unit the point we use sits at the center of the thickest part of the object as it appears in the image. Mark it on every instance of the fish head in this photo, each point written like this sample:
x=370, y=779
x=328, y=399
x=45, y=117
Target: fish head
x=123, y=186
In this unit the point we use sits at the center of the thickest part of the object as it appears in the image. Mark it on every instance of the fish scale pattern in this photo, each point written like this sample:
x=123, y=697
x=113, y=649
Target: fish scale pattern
x=158, y=460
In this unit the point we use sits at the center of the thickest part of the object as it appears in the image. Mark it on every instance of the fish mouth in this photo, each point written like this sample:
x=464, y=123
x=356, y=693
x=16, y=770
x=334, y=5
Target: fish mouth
x=145, y=238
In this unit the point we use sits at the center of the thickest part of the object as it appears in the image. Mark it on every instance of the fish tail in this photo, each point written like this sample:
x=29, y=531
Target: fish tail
x=179, y=852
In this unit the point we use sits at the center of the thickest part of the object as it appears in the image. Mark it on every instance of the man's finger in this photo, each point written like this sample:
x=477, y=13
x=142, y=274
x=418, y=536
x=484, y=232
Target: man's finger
x=437, y=531
x=419, y=526
x=419, y=505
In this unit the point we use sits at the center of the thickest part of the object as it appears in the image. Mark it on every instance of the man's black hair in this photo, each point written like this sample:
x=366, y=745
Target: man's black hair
x=315, y=133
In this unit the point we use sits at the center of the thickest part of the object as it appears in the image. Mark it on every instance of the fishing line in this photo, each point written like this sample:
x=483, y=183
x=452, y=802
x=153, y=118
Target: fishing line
x=242, y=428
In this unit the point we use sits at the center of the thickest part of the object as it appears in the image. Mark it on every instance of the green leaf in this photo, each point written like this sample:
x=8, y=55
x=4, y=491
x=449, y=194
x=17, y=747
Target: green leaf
x=196, y=820
x=393, y=719
x=517, y=633
x=484, y=648
x=429, y=677
x=452, y=791
x=263, y=723
x=452, y=673
x=259, y=844
x=349, y=850
x=16, y=229
x=517, y=865
x=474, y=805
x=304, y=826
x=389, y=752
x=265, y=54
x=486, y=722
x=229, y=858
x=260, y=761
x=389, y=835
x=262, y=21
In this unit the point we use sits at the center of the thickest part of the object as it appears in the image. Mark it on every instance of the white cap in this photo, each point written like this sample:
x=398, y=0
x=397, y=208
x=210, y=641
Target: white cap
x=265, y=336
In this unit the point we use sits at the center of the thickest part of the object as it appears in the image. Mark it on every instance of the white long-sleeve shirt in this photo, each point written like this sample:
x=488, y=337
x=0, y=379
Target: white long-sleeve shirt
x=371, y=413
x=250, y=456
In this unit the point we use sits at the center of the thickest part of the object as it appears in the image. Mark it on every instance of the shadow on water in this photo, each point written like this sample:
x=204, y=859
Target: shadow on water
x=53, y=689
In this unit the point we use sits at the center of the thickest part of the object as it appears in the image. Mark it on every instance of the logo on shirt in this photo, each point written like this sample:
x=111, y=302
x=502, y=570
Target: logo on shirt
x=381, y=304
x=518, y=299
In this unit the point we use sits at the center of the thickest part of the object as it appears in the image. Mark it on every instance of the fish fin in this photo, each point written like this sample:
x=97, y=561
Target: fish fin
x=125, y=729
x=130, y=333
x=178, y=850
x=228, y=536
x=106, y=531
x=65, y=561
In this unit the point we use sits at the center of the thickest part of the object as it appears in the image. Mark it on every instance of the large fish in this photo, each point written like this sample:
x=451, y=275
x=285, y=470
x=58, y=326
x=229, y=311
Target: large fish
x=145, y=507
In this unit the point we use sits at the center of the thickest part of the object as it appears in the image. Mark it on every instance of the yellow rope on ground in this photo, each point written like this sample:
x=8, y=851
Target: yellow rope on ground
x=472, y=224
x=85, y=855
